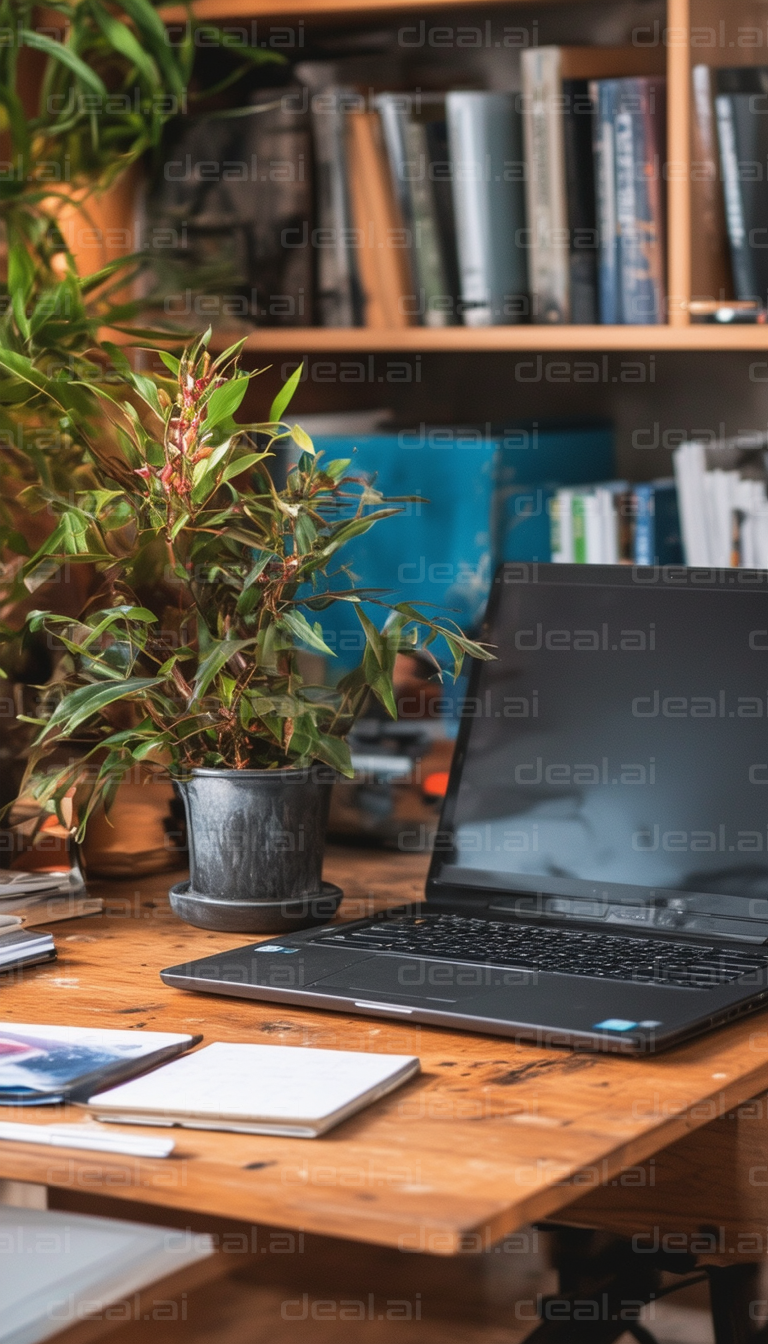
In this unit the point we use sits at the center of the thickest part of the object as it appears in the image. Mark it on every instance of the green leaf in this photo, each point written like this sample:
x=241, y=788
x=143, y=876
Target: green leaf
x=123, y=41
x=82, y=704
x=170, y=362
x=225, y=400
x=215, y=659
x=298, y=626
x=64, y=54
x=302, y=440
x=334, y=751
x=284, y=396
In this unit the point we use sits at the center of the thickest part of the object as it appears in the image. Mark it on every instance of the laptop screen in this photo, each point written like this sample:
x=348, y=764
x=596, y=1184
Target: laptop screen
x=612, y=764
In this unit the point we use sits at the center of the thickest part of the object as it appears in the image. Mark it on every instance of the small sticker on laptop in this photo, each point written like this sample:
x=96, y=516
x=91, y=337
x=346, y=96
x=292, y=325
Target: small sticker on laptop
x=274, y=947
x=615, y=1024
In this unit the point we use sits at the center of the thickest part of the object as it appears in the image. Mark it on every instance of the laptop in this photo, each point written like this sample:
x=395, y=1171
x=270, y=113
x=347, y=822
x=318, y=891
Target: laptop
x=599, y=878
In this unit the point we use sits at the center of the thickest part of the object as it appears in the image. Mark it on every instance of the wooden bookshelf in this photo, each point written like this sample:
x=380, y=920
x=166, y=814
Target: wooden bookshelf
x=463, y=339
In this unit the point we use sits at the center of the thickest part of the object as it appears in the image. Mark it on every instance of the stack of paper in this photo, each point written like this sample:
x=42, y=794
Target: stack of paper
x=44, y=898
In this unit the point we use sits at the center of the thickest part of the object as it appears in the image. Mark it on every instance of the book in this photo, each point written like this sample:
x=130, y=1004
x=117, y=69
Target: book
x=339, y=293
x=44, y=1064
x=580, y=195
x=711, y=276
x=546, y=208
x=380, y=238
x=743, y=142
x=257, y=1089
x=639, y=145
x=229, y=214
x=657, y=539
x=441, y=176
x=485, y=141
x=603, y=96
x=407, y=147
x=19, y=948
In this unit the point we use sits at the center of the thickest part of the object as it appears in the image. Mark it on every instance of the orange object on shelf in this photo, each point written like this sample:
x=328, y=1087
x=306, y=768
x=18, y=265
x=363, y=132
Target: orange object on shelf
x=436, y=784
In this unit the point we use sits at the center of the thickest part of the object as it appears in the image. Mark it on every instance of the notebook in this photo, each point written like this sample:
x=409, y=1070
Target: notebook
x=257, y=1089
x=42, y=1064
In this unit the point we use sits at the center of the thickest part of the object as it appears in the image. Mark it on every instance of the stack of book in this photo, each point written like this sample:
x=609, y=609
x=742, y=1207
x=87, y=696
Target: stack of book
x=44, y=897
x=614, y=523
x=723, y=505
x=542, y=204
x=486, y=209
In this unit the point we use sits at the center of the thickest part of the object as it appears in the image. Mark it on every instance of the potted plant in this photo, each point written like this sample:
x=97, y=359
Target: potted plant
x=187, y=654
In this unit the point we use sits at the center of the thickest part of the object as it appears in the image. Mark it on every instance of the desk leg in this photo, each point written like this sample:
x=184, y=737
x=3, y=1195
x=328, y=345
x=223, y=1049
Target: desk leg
x=603, y=1286
x=732, y=1290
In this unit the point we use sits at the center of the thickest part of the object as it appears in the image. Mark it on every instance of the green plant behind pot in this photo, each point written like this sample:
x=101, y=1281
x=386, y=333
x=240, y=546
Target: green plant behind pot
x=210, y=581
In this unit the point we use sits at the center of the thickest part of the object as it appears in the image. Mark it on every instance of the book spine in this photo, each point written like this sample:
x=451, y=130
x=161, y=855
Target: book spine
x=486, y=158
x=644, y=547
x=603, y=94
x=392, y=114
x=472, y=233
x=578, y=114
x=741, y=257
x=710, y=263
x=340, y=297
x=666, y=517
x=561, y=513
x=579, y=526
x=638, y=200
x=434, y=300
x=545, y=195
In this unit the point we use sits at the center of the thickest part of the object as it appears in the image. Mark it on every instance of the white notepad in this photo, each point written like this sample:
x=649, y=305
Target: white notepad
x=256, y=1089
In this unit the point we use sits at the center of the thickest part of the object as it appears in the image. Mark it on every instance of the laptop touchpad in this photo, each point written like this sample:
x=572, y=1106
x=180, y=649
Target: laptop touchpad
x=410, y=978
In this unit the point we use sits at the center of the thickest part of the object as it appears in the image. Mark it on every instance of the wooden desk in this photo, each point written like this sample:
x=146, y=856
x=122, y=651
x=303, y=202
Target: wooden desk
x=492, y=1136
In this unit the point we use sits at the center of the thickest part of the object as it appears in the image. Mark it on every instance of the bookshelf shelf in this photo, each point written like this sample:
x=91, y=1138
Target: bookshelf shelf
x=418, y=340
x=321, y=11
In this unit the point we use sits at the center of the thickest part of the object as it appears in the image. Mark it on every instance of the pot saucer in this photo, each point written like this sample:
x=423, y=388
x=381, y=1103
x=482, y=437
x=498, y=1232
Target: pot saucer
x=300, y=912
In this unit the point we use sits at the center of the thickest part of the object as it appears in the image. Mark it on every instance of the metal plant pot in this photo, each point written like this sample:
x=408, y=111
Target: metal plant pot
x=256, y=840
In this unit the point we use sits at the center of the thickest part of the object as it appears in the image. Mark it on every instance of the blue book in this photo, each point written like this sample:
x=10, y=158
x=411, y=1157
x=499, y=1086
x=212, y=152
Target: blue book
x=644, y=544
x=639, y=136
x=657, y=535
x=604, y=96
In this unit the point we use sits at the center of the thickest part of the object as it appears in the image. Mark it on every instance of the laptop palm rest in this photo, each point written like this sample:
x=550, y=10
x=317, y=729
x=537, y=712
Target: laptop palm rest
x=412, y=979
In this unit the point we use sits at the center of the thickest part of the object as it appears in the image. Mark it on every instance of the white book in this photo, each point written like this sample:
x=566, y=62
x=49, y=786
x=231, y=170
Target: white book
x=257, y=1089
x=593, y=529
x=545, y=196
x=690, y=471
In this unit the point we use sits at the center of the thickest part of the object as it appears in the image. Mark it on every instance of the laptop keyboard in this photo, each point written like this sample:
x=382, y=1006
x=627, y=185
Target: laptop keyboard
x=530, y=947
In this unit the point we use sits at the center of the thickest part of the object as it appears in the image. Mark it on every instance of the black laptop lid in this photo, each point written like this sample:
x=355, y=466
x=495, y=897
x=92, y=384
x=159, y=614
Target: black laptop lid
x=612, y=765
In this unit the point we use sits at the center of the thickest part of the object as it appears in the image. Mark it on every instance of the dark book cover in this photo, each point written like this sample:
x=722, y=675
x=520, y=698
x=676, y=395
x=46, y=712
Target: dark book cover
x=580, y=191
x=229, y=217
x=742, y=128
